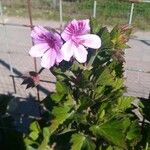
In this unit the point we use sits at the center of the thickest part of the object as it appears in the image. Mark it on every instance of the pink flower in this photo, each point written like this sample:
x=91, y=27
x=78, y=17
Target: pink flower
x=77, y=37
x=47, y=45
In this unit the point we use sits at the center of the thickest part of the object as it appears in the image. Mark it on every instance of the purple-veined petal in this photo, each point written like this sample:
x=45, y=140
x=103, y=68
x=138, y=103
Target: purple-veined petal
x=76, y=28
x=70, y=30
x=84, y=26
x=67, y=50
x=91, y=41
x=66, y=34
x=48, y=59
x=80, y=53
x=38, y=34
x=38, y=30
x=38, y=50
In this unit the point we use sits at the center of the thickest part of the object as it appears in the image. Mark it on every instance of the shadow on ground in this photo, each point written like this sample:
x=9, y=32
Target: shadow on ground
x=16, y=114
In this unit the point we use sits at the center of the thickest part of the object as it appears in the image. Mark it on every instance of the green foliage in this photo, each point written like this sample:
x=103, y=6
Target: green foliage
x=112, y=130
x=80, y=141
x=88, y=110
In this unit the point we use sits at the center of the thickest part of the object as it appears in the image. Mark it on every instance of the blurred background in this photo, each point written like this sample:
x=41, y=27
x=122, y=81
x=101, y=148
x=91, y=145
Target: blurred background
x=109, y=12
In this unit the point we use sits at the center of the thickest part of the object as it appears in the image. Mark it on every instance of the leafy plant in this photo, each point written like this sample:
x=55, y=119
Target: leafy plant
x=88, y=110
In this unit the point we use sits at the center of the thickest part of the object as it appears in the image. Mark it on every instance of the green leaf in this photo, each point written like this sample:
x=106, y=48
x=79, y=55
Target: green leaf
x=28, y=147
x=61, y=87
x=57, y=97
x=29, y=142
x=105, y=37
x=34, y=135
x=110, y=148
x=61, y=114
x=118, y=83
x=46, y=135
x=105, y=78
x=134, y=132
x=81, y=142
x=61, y=90
x=95, y=27
x=69, y=101
x=35, y=130
x=124, y=103
x=89, y=144
x=35, y=126
x=77, y=141
x=112, y=130
x=119, y=37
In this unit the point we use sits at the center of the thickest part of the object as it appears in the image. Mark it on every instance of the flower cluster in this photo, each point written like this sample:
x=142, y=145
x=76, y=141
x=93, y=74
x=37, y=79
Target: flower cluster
x=72, y=42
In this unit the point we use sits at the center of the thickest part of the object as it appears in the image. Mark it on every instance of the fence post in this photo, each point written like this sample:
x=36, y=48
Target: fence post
x=31, y=25
x=131, y=13
x=60, y=13
x=7, y=48
x=94, y=9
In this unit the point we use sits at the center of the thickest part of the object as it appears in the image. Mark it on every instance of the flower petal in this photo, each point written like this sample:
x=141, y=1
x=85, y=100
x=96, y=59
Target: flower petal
x=80, y=54
x=75, y=28
x=91, y=41
x=67, y=50
x=38, y=50
x=48, y=59
x=59, y=57
x=84, y=26
x=38, y=34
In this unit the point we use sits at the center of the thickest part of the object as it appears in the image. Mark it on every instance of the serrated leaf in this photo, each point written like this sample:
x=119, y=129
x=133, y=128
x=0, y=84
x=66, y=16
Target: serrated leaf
x=118, y=83
x=69, y=101
x=95, y=27
x=112, y=131
x=134, y=132
x=35, y=130
x=119, y=37
x=61, y=114
x=46, y=136
x=34, y=135
x=105, y=78
x=61, y=87
x=77, y=141
x=35, y=126
x=89, y=144
x=29, y=141
x=81, y=142
x=124, y=103
x=110, y=148
x=57, y=97
x=28, y=147
x=105, y=37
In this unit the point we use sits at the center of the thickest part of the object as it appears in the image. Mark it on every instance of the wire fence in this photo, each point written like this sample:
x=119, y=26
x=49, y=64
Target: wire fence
x=34, y=8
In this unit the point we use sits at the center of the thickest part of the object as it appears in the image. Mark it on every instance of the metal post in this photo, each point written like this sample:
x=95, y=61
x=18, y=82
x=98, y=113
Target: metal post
x=7, y=49
x=31, y=25
x=131, y=13
x=60, y=13
x=94, y=9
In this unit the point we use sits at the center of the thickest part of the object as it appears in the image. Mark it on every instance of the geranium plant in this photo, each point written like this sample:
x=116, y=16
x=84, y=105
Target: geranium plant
x=88, y=110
